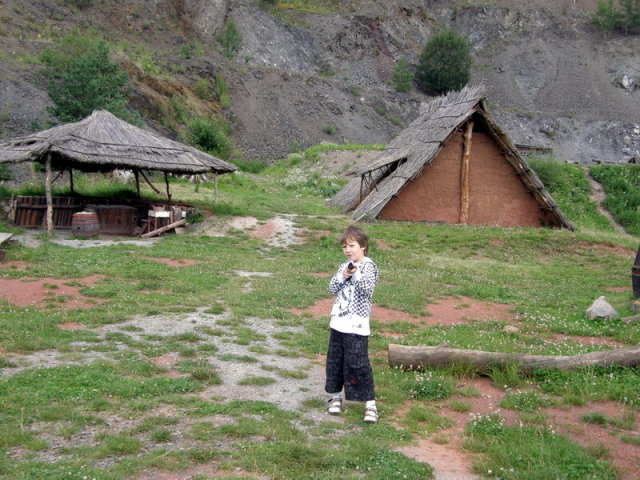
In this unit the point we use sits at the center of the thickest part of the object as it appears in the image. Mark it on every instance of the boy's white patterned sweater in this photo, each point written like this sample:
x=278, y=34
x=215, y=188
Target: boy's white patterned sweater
x=352, y=308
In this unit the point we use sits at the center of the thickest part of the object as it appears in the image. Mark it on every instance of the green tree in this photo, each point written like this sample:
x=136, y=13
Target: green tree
x=402, y=76
x=209, y=135
x=230, y=40
x=445, y=63
x=82, y=79
x=607, y=17
x=617, y=15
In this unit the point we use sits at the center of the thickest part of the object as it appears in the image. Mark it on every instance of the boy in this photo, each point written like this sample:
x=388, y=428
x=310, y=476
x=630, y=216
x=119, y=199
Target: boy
x=348, y=362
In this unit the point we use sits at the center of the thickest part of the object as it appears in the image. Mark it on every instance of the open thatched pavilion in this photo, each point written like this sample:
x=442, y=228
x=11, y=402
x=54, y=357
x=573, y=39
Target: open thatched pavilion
x=101, y=143
x=452, y=164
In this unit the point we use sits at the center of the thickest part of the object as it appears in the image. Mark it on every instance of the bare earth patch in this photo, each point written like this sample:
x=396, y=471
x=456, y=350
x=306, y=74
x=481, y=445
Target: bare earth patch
x=457, y=310
x=48, y=291
x=590, y=340
x=72, y=326
x=448, y=311
x=277, y=232
x=208, y=470
x=15, y=265
x=608, y=248
x=322, y=308
x=183, y=262
x=444, y=451
x=625, y=456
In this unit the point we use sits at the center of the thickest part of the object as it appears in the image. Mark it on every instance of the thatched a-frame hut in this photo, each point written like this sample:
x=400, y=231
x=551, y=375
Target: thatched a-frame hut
x=452, y=164
x=102, y=142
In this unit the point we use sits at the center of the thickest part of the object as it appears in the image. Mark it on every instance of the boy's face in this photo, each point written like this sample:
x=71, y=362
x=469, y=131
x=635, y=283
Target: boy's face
x=352, y=250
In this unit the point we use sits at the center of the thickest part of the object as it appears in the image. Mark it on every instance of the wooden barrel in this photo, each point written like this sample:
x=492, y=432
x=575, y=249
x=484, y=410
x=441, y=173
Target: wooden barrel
x=85, y=224
x=635, y=276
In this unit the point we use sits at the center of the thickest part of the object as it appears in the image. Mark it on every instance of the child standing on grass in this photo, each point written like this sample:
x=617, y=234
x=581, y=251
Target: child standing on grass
x=348, y=364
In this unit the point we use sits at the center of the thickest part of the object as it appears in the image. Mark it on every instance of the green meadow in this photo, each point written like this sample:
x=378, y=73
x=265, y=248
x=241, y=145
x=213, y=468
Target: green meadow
x=547, y=277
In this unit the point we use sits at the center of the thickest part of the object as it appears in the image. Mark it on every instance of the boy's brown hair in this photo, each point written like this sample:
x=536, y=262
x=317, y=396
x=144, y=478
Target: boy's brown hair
x=354, y=233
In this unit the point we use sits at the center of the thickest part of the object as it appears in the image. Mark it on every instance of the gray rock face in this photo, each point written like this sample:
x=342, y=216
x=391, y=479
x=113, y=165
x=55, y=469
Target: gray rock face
x=602, y=309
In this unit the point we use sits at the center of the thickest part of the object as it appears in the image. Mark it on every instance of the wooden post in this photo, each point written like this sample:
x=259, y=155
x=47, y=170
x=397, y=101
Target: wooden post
x=71, y=179
x=136, y=174
x=47, y=189
x=464, y=175
x=166, y=181
x=215, y=190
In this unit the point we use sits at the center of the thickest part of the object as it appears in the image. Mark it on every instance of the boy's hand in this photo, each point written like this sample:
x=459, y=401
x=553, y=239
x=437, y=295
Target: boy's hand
x=347, y=272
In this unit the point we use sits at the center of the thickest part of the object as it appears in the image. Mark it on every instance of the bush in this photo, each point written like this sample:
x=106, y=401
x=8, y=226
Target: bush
x=209, y=135
x=222, y=90
x=79, y=3
x=445, y=63
x=83, y=79
x=202, y=88
x=5, y=172
x=622, y=15
x=402, y=76
x=230, y=40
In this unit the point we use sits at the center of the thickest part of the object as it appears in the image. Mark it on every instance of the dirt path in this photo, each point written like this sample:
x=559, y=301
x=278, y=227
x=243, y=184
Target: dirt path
x=598, y=196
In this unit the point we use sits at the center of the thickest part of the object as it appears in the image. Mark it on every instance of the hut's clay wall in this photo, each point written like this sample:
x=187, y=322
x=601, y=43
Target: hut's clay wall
x=497, y=196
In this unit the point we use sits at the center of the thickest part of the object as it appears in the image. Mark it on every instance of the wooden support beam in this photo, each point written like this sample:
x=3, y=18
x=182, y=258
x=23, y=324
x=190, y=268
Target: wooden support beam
x=47, y=189
x=464, y=175
x=166, y=181
x=136, y=174
x=146, y=179
x=215, y=190
x=166, y=228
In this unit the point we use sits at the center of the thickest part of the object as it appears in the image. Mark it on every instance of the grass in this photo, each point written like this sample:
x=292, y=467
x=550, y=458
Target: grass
x=622, y=186
x=529, y=452
x=548, y=277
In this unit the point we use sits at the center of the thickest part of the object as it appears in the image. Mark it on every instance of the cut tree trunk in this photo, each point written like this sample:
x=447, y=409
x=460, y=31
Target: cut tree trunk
x=417, y=358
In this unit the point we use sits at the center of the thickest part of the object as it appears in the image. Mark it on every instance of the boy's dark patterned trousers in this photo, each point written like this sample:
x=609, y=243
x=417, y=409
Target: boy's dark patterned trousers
x=348, y=366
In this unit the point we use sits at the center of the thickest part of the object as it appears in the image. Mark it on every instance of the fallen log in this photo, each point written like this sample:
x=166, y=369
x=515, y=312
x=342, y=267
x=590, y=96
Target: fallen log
x=417, y=358
x=166, y=228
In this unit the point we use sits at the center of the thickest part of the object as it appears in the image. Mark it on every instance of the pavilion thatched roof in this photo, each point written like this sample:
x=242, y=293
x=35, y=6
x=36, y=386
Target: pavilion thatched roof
x=103, y=142
x=418, y=145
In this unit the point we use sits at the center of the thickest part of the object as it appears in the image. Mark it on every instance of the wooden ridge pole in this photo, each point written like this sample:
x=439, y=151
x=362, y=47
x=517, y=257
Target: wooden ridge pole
x=464, y=175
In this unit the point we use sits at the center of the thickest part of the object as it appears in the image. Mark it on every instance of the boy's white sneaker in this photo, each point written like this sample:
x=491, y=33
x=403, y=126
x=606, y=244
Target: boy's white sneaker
x=370, y=415
x=335, y=406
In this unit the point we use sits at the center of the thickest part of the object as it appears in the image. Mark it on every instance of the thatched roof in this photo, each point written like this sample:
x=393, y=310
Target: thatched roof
x=418, y=145
x=103, y=142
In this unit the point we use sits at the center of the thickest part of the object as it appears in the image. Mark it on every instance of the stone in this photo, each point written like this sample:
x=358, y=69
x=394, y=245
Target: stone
x=601, y=309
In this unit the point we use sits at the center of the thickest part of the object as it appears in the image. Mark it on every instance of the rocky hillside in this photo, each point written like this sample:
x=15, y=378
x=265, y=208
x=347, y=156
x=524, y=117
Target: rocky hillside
x=303, y=76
